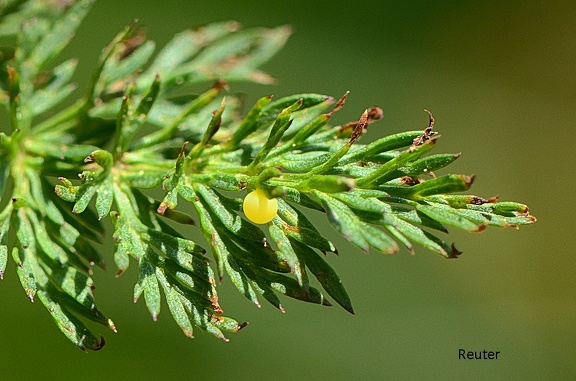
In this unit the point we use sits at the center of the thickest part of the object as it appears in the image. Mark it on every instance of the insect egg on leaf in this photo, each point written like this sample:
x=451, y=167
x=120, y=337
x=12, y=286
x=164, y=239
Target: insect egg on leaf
x=258, y=208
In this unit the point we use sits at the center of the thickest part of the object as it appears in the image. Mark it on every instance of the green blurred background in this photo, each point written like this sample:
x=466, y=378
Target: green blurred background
x=500, y=79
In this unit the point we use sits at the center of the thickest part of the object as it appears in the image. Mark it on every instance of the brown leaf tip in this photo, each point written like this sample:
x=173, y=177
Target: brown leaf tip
x=480, y=228
x=132, y=43
x=242, y=325
x=428, y=131
x=341, y=102
x=360, y=127
x=455, y=253
x=221, y=85
x=431, y=119
x=162, y=208
x=101, y=344
x=475, y=200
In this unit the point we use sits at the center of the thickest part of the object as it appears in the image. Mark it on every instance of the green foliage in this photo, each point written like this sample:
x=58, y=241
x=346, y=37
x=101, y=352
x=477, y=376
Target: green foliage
x=134, y=130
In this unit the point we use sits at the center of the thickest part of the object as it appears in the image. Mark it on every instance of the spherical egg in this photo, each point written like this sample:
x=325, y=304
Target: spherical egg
x=258, y=208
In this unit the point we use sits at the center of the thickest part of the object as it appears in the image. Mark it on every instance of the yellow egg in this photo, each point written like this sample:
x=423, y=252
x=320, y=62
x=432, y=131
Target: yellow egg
x=258, y=208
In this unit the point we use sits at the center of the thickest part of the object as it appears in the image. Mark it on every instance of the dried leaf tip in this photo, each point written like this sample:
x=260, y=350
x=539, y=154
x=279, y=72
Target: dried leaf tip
x=242, y=325
x=455, y=253
x=341, y=102
x=428, y=132
x=359, y=128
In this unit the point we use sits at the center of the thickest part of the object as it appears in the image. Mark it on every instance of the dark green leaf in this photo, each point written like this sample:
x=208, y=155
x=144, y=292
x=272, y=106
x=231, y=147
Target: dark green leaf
x=25, y=270
x=191, y=280
x=72, y=328
x=301, y=229
x=175, y=304
x=417, y=235
x=122, y=239
x=442, y=184
x=148, y=284
x=344, y=220
x=449, y=216
x=224, y=259
x=325, y=275
x=288, y=253
x=289, y=286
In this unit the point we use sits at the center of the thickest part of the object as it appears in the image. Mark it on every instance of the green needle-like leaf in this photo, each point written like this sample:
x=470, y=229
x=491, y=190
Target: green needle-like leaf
x=325, y=275
x=148, y=284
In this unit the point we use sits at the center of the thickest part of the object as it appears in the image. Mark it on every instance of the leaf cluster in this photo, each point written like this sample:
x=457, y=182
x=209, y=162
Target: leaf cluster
x=139, y=126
